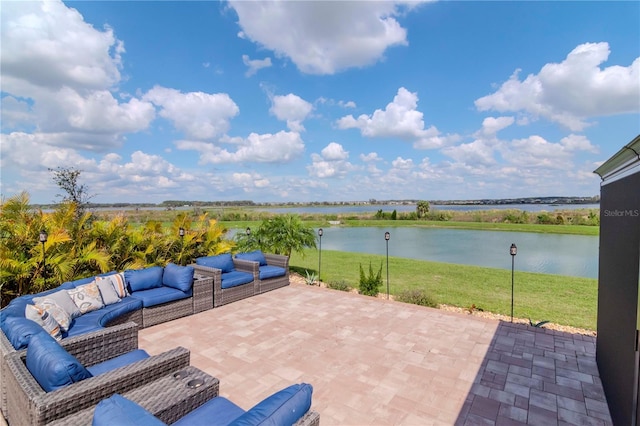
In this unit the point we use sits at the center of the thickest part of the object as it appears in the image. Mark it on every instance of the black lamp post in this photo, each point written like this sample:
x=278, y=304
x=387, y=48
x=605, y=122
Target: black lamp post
x=387, y=235
x=513, y=250
x=320, y=232
x=181, y=233
x=43, y=239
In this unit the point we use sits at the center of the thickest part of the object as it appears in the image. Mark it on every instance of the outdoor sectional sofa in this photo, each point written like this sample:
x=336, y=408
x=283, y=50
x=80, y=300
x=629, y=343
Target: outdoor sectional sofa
x=290, y=406
x=242, y=276
x=50, y=380
x=146, y=297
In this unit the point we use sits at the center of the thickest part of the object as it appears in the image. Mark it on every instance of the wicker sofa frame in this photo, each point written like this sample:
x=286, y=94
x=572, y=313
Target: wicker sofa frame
x=77, y=345
x=168, y=398
x=222, y=296
x=179, y=308
x=275, y=282
x=31, y=405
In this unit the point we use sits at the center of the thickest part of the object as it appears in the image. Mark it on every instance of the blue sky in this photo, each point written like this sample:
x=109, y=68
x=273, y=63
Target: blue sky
x=316, y=101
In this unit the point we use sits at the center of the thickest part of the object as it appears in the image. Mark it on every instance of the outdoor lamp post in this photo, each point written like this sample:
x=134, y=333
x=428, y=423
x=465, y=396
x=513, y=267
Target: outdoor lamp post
x=513, y=250
x=320, y=232
x=43, y=239
x=387, y=235
x=181, y=233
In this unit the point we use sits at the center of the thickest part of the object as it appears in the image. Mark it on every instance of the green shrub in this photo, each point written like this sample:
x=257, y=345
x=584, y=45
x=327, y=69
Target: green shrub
x=339, y=285
x=417, y=297
x=311, y=278
x=369, y=285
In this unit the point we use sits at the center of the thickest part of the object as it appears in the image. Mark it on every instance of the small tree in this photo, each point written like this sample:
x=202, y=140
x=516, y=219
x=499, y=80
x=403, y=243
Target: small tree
x=67, y=179
x=282, y=234
x=422, y=208
x=369, y=285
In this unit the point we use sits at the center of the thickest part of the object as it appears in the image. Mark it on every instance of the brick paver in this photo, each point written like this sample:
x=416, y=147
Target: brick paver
x=373, y=361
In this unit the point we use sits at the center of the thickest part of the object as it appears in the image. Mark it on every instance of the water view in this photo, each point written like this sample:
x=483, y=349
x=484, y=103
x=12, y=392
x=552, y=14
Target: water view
x=372, y=208
x=574, y=255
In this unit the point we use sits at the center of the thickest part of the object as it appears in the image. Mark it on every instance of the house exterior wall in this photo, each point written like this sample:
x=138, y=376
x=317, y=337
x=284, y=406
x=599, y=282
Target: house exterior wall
x=618, y=281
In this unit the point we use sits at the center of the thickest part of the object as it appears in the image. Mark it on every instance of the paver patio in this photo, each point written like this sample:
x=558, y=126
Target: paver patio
x=379, y=362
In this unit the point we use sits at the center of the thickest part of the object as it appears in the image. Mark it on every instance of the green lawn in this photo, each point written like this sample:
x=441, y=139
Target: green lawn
x=556, y=298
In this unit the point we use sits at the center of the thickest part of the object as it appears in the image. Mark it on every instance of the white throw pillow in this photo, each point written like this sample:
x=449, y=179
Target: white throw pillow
x=108, y=293
x=42, y=318
x=87, y=297
x=61, y=316
x=63, y=300
x=119, y=285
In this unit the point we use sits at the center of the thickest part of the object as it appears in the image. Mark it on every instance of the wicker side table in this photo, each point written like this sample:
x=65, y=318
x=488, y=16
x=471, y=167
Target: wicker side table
x=168, y=398
x=202, y=293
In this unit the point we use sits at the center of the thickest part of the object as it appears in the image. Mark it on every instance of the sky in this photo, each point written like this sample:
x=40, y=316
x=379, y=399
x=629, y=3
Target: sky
x=299, y=101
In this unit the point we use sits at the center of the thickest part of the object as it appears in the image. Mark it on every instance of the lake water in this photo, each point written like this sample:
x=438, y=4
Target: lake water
x=368, y=208
x=573, y=255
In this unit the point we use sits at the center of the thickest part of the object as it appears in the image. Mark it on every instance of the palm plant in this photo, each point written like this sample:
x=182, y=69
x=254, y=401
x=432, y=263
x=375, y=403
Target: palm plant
x=282, y=234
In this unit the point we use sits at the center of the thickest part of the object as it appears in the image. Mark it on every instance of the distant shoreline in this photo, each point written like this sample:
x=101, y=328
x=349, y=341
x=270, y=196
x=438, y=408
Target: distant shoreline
x=551, y=201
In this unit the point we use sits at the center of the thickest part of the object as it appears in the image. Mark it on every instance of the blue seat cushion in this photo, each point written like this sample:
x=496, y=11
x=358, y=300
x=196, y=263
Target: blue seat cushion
x=221, y=261
x=254, y=256
x=178, y=277
x=269, y=271
x=118, y=410
x=143, y=279
x=19, y=331
x=158, y=296
x=95, y=320
x=235, y=278
x=51, y=365
x=17, y=306
x=218, y=411
x=117, y=362
x=282, y=408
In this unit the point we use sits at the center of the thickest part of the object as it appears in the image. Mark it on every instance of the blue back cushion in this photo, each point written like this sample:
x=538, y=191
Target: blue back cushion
x=19, y=331
x=143, y=279
x=178, y=277
x=51, y=365
x=282, y=408
x=118, y=410
x=254, y=256
x=221, y=261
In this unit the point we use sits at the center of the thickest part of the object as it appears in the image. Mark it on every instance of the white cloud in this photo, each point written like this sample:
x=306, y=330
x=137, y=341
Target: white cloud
x=255, y=64
x=323, y=37
x=199, y=115
x=331, y=162
x=334, y=152
x=571, y=92
x=48, y=45
x=347, y=104
x=292, y=109
x=248, y=181
x=281, y=147
x=492, y=125
x=537, y=152
x=370, y=157
x=400, y=119
x=64, y=71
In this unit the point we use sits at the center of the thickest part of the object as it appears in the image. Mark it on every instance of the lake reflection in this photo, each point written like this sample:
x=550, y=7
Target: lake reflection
x=574, y=255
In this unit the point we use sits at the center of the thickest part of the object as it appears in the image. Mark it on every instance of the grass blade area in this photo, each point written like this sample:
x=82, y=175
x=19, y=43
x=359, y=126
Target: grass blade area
x=541, y=297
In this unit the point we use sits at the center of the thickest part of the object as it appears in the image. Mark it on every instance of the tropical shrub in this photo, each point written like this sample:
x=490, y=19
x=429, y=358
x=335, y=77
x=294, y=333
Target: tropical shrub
x=282, y=234
x=417, y=297
x=370, y=285
x=79, y=246
x=339, y=285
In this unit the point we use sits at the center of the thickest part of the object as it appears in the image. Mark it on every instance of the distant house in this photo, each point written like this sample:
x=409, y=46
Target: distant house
x=618, y=338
